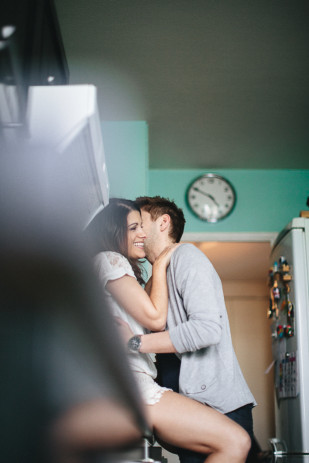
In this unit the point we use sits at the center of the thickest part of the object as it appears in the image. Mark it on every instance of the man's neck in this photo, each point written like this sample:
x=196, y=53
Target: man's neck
x=160, y=246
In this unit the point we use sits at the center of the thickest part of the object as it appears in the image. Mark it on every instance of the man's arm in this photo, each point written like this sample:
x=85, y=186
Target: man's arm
x=196, y=298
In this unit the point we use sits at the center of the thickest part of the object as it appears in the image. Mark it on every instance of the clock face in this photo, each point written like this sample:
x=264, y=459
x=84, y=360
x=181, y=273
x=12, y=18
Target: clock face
x=211, y=197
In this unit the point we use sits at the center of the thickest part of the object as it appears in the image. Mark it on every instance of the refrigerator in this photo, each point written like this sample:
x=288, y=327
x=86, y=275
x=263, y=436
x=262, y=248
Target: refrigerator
x=288, y=312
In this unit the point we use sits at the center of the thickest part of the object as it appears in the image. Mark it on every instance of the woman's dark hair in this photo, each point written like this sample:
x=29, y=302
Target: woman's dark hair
x=109, y=229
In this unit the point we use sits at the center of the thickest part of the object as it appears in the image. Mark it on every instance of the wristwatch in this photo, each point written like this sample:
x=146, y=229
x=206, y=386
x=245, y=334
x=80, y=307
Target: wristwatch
x=134, y=344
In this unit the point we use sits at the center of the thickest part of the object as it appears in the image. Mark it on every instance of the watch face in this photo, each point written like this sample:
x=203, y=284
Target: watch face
x=134, y=343
x=211, y=197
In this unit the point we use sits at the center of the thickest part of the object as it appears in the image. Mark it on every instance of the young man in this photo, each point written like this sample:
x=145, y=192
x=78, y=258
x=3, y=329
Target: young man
x=197, y=324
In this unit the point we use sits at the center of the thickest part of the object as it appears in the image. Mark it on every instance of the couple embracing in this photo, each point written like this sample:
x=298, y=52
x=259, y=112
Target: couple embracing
x=180, y=315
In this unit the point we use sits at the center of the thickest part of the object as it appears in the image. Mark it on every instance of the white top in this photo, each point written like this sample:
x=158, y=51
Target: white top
x=111, y=266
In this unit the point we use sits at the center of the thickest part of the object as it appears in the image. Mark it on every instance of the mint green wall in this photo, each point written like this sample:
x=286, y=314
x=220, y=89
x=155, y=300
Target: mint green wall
x=126, y=152
x=266, y=199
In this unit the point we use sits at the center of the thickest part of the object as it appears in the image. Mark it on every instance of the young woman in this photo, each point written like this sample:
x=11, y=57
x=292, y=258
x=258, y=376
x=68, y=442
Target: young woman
x=176, y=420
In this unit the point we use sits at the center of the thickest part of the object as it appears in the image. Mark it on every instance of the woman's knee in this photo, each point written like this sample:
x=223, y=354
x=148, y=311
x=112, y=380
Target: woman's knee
x=241, y=444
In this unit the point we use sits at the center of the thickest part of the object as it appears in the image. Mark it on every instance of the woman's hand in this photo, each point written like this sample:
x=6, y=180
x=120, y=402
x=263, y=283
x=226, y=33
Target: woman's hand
x=125, y=331
x=165, y=257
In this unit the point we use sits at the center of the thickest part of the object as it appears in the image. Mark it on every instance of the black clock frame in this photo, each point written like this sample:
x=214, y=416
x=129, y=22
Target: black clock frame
x=209, y=175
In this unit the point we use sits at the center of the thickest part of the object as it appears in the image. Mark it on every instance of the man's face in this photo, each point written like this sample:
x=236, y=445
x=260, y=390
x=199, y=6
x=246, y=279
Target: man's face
x=151, y=229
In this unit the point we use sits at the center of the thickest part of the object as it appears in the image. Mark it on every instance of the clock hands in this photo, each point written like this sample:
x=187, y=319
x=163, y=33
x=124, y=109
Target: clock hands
x=206, y=194
x=220, y=196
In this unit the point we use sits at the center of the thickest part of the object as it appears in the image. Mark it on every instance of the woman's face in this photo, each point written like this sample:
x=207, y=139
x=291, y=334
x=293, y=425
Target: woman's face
x=136, y=235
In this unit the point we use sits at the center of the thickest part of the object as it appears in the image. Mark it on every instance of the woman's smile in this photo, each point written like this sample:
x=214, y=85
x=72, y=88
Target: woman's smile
x=136, y=236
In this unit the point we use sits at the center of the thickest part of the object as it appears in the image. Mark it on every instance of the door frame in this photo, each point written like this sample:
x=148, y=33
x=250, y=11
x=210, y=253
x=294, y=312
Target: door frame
x=226, y=236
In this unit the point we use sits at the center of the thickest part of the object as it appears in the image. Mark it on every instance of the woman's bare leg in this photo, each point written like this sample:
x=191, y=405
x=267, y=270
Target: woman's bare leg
x=187, y=423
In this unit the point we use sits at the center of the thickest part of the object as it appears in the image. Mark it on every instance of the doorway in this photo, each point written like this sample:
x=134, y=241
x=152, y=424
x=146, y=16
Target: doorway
x=243, y=268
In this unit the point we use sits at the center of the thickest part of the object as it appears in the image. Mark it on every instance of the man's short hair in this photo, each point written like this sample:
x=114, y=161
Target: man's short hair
x=157, y=206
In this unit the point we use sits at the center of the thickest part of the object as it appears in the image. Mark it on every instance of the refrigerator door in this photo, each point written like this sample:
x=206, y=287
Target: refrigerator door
x=291, y=352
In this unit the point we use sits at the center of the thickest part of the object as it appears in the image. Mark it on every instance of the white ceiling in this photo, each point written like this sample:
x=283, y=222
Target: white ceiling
x=222, y=84
x=238, y=260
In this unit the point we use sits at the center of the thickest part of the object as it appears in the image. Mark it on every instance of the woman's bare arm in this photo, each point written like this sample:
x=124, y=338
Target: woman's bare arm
x=150, y=311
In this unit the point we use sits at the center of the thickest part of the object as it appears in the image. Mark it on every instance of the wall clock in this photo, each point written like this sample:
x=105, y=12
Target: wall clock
x=211, y=197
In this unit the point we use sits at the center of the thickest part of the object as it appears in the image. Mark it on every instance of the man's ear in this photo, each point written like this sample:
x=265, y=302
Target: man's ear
x=165, y=221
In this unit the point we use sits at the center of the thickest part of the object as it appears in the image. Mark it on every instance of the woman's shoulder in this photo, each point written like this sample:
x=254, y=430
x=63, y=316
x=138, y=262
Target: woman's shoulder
x=113, y=261
x=112, y=258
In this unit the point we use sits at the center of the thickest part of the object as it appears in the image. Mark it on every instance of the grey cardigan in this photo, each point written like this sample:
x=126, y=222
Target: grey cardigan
x=199, y=330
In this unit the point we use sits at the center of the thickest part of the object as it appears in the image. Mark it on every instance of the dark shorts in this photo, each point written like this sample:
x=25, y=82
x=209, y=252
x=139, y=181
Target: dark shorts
x=168, y=374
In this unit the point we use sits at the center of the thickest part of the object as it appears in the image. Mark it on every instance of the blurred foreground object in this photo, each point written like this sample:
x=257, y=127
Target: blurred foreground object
x=31, y=53
x=66, y=390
